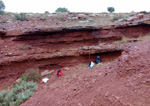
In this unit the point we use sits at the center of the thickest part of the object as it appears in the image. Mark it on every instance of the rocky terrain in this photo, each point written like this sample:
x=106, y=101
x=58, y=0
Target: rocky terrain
x=69, y=42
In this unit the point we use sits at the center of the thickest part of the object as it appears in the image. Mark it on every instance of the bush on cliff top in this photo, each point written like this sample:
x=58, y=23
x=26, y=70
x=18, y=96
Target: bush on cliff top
x=2, y=6
x=21, y=16
x=60, y=9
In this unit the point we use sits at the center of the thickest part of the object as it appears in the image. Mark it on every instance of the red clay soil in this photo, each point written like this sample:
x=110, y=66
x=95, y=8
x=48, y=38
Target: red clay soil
x=125, y=82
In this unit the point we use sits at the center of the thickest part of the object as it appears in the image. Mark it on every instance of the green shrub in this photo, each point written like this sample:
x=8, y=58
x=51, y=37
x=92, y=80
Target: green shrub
x=60, y=9
x=46, y=12
x=2, y=12
x=6, y=86
x=3, y=100
x=31, y=75
x=21, y=48
x=21, y=16
x=29, y=47
x=2, y=5
x=144, y=12
x=111, y=9
x=17, y=95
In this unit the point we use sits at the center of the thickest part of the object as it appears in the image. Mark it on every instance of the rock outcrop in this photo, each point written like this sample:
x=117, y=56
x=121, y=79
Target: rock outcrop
x=22, y=49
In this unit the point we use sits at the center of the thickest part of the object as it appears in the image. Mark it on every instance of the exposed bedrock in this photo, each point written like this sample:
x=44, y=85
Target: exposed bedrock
x=55, y=49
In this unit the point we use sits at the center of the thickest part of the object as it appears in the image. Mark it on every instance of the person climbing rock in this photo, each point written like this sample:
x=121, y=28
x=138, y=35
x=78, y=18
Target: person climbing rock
x=98, y=60
x=59, y=73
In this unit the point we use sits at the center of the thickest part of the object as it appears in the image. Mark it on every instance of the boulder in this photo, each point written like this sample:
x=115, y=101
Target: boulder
x=81, y=16
x=46, y=72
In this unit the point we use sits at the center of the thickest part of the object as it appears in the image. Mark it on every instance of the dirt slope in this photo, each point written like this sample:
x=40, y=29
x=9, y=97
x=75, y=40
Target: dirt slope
x=125, y=82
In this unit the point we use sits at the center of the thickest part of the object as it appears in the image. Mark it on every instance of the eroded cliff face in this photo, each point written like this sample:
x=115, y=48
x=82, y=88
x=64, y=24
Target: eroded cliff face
x=57, y=48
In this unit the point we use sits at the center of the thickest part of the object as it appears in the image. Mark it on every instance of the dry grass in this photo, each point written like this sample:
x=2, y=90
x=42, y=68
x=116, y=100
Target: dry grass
x=116, y=17
x=144, y=37
x=124, y=40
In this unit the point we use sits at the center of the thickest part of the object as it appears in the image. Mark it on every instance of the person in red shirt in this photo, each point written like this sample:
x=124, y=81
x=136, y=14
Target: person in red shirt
x=59, y=73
